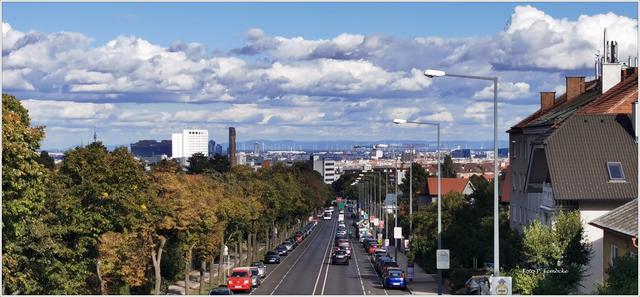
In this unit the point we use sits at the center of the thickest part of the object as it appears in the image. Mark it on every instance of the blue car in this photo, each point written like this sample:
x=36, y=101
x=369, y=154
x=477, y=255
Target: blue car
x=394, y=278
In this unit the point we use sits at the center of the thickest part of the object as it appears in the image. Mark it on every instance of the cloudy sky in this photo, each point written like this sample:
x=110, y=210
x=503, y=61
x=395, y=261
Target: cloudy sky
x=295, y=71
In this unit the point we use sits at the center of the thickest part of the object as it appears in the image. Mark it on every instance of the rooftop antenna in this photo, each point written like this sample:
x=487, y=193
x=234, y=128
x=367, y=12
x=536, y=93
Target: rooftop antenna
x=604, y=46
x=95, y=136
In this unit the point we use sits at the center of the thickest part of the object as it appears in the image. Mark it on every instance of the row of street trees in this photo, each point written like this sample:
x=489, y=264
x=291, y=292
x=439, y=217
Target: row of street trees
x=98, y=223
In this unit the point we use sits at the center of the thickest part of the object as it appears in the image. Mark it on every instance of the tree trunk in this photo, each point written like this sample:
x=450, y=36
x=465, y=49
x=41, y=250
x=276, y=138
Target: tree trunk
x=211, y=269
x=255, y=246
x=187, y=267
x=103, y=289
x=266, y=239
x=221, y=261
x=203, y=269
x=157, y=257
x=249, y=245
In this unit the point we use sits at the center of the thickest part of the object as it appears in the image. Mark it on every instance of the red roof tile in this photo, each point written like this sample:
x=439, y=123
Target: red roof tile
x=616, y=100
x=447, y=184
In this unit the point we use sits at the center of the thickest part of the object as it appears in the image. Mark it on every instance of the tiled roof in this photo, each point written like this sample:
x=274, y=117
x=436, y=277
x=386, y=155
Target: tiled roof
x=447, y=185
x=561, y=109
x=623, y=219
x=618, y=99
x=577, y=155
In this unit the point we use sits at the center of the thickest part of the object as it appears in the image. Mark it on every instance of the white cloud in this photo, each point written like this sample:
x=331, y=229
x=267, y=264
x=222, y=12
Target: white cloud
x=506, y=90
x=441, y=115
x=41, y=110
x=478, y=111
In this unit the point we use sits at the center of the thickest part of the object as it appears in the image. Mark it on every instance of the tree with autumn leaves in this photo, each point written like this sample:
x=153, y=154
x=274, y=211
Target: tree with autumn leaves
x=98, y=223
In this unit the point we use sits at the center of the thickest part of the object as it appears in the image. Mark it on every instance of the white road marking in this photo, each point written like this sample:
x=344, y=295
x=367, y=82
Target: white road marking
x=321, y=265
x=324, y=283
x=355, y=254
x=294, y=264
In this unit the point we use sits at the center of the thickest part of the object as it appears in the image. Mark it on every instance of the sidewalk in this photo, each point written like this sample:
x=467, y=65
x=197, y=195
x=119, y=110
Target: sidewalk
x=194, y=276
x=422, y=283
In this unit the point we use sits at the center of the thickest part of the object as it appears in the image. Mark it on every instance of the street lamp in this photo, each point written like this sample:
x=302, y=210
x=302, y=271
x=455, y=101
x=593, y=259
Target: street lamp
x=431, y=73
x=402, y=121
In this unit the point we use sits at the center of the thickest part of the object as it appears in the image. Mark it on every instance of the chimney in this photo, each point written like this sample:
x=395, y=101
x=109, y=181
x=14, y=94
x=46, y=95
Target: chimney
x=232, y=146
x=575, y=87
x=612, y=69
x=547, y=99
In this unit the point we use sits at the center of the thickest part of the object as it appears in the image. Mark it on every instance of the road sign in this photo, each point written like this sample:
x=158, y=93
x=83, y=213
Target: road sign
x=381, y=224
x=386, y=242
x=226, y=250
x=397, y=232
x=501, y=285
x=442, y=259
x=376, y=222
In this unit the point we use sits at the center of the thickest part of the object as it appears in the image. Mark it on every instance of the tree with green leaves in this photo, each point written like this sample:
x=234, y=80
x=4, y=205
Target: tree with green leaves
x=561, y=247
x=448, y=169
x=198, y=163
x=46, y=160
x=622, y=277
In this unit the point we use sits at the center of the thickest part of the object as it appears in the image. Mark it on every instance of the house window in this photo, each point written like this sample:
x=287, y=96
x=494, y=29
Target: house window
x=614, y=253
x=615, y=171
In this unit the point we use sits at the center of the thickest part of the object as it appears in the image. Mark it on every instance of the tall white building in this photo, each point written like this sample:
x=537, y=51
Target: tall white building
x=189, y=142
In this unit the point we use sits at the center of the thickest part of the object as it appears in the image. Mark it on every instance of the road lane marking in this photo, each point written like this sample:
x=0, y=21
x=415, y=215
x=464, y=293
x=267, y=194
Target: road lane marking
x=315, y=235
x=324, y=283
x=376, y=273
x=322, y=264
x=355, y=254
x=294, y=264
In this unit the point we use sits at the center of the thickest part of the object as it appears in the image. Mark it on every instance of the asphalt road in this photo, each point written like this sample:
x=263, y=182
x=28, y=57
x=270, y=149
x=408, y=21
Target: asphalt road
x=306, y=270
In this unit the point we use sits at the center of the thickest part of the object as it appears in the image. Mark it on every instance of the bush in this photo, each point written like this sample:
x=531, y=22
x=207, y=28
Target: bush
x=623, y=277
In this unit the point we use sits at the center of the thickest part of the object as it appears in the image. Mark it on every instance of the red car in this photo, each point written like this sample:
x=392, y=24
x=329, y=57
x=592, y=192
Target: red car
x=372, y=248
x=298, y=238
x=240, y=280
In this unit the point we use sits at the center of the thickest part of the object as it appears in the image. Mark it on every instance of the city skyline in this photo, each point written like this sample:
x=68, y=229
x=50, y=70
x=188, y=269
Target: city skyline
x=277, y=78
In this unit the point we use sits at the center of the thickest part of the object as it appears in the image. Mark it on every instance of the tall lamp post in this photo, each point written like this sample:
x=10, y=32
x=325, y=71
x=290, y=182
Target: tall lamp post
x=496, y=239
x=402, y=121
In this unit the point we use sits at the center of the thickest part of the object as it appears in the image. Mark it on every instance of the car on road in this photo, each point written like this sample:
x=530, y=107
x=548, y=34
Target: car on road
x=221, y=290
x=340, y=257
x=272, y=257
x=299, y=237
x=386, y=265
x=346, y=246
x=379, y=261
x=262, y=269
x=377, y=253
x=477, y=285
x=394, y=278
x=256, y=280
x=281, y=250
x=240, y=279
x=327, y=215
x=288, y=245
x=372, y=248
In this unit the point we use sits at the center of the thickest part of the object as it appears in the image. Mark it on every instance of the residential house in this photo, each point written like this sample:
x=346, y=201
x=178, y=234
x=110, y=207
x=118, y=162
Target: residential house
x=620, y=227
x=577, y=152
x=448, y=185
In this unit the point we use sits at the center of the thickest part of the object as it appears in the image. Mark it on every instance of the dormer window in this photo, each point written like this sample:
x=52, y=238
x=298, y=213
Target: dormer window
x=616, y=174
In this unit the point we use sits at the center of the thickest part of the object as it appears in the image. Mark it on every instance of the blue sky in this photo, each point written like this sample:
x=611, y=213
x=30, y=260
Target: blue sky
x=297, y=71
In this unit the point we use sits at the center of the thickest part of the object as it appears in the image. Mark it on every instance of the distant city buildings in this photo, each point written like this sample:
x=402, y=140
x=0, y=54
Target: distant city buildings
x=326, y=167
x=189, y=142
x=151, y=151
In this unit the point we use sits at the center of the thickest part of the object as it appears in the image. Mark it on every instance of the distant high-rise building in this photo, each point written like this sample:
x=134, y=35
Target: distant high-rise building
x=232, y=146
x=212, y=148
x=151, y=148
x=189, y=142
x=218, y=150
x=326, y=167
x=256, y=148
x=461, y=153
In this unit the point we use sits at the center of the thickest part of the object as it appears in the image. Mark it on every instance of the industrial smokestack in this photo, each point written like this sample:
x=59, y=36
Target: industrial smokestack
x=232, y=146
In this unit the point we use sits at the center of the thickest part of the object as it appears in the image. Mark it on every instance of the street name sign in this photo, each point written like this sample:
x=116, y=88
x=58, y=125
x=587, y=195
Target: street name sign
x=442, y=259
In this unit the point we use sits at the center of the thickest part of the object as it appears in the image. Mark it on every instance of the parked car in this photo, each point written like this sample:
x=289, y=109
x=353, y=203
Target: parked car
x=272, y=257
x=240, y=279
x=222, y=290
x=477, y=285
x=299, y=238
x=288, y=245
x=282, y=250
x=379, y=261
x=394, y=278
x=388, y=265
x=261, y=267
x=256, y=280
x=377, y=253
x=340, y=257
x=372, y=248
